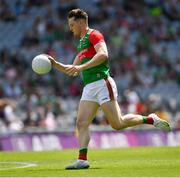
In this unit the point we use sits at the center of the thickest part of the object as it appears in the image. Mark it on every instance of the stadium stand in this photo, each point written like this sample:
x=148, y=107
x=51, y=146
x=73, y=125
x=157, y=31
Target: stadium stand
x=143, y=43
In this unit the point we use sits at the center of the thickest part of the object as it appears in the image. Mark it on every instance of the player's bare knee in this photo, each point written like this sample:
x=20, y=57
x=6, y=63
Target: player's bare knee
x=117, y=126
x=80, y=124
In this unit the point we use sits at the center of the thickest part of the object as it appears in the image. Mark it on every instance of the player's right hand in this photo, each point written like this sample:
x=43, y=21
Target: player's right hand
x=72, y=70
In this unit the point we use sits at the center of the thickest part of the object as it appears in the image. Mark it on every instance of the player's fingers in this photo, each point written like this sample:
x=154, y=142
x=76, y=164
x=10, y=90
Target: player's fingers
x=51, y=59
x=75, y=74
x=70, y=71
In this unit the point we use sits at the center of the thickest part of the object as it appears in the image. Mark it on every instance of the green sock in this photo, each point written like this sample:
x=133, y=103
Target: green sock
x=148, y=120
x=144, y=119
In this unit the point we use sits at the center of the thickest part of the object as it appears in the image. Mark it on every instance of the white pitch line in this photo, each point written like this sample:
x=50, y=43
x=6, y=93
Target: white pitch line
x=22, y=165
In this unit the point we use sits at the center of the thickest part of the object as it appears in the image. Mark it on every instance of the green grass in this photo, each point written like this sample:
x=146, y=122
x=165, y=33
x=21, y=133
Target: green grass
x=136, y=162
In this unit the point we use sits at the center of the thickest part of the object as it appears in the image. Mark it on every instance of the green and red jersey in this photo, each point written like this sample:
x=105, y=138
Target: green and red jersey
x=86, y=51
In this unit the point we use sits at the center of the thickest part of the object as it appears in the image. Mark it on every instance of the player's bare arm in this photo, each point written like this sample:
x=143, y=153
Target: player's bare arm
x=100, y=57
x=58, y=65
x=76, y=61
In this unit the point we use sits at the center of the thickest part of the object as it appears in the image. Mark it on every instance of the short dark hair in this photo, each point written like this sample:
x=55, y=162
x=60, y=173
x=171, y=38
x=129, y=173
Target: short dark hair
x=77, y=14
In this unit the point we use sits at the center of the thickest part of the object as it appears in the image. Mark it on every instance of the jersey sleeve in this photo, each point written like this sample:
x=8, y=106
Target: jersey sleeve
x=96, y=37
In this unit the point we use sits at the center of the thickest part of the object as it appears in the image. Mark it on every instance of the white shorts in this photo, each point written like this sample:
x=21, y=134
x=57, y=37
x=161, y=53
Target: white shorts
x=100, y=91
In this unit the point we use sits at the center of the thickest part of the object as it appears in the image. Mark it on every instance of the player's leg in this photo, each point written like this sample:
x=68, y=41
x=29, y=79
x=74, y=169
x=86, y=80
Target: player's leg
x=86, y=113
x=108, y=101
x=117, y=121
x=107, y=98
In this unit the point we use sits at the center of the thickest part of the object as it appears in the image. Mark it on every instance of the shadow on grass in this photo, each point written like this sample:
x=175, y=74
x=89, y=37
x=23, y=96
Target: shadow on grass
x=83, y=169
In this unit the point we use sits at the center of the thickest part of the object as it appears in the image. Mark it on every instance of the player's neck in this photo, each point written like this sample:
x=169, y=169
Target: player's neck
x=84, y=32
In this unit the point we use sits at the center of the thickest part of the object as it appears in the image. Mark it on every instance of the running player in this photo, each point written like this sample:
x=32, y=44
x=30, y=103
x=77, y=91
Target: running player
x=99, y=88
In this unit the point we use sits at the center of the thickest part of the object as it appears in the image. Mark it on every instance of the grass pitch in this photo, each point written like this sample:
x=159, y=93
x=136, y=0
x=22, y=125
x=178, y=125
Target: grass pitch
x=124, y=162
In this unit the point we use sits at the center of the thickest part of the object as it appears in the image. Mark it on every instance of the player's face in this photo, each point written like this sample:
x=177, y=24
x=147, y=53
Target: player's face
x=75, y=27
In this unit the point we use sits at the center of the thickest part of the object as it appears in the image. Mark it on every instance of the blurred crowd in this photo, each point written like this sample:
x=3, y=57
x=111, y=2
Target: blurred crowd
x=143, y=43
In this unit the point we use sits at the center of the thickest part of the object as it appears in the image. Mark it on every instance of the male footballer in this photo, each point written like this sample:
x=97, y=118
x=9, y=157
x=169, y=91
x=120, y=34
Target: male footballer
x=100, y=89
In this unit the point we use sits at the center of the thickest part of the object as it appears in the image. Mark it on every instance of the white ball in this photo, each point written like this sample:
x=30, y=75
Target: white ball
x=41, y=64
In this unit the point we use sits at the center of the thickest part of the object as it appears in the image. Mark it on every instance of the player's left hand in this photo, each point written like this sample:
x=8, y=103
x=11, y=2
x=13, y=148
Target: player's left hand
x=53, y=61
x=73, y=70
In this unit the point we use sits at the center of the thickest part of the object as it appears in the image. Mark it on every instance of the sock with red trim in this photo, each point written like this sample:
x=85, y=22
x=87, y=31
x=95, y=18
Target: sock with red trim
x=148, y=120
x=83, y=153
